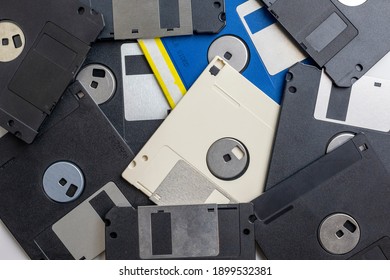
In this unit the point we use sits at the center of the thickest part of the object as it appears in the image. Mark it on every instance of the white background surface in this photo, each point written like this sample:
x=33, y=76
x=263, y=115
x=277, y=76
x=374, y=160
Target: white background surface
x=9, y=248
x=281, y=270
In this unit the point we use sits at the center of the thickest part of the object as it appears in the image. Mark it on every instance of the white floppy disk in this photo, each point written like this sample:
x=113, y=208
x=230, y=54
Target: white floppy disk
x=214, y=147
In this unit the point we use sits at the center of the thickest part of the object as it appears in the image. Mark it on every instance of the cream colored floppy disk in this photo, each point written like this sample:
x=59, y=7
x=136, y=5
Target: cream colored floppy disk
x=214, y=147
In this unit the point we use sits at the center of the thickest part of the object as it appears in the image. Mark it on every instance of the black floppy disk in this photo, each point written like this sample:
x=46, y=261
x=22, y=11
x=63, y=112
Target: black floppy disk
x=206, y=231
x=346, y=39
x=55, y=193
x=133, y=19
x=302, y=137
x=119, y=79
x=43, y=44
x=335, y=208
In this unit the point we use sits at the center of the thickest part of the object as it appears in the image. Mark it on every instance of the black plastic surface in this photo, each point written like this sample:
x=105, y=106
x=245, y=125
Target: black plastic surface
x=236, y=233
x=380, y=250
x=208, y=16
x=104, y=7
x=77, y=132
x=349, y=180
x=58, y=36
x=347, y=41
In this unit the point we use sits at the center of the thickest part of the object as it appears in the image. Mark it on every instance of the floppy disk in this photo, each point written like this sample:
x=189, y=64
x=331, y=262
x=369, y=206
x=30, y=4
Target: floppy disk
x=55, y=193
x=207, y=231
x=325, y=211
x=40, y=52
x=316, y=117
x=214, y=147
x=337, y=34
x=118, y=77
x=251, y=42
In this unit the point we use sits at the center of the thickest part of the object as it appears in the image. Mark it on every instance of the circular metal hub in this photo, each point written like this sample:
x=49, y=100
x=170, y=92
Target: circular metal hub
x=99, y=82
x=232, y=49
x=339, y=140
x=339, y=234
x=12, y=41
x=63, y=182
x=227, y=159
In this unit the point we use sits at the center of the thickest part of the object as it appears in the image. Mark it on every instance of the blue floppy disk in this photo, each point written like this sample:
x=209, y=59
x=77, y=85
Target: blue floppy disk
x=252, y=42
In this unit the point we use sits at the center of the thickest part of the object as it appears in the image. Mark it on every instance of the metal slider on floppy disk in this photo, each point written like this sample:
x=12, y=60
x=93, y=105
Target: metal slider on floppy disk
x=206, y=231
x=137, y=19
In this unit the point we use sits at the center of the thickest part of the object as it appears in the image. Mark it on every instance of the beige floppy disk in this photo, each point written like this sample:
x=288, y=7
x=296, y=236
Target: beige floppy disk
x=214, y=147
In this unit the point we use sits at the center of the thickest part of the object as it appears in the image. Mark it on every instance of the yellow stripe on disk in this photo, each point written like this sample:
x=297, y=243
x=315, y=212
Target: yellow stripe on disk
x=159, y=76
x=171, y=67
